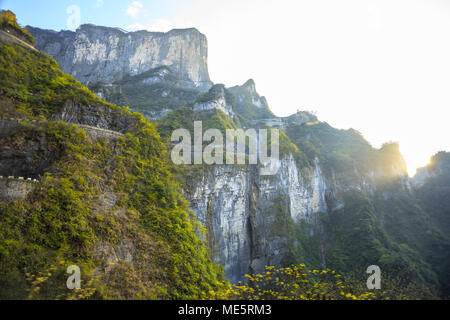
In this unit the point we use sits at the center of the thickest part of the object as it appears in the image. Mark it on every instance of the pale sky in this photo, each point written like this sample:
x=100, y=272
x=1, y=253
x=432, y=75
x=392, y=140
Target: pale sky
x=381, y=67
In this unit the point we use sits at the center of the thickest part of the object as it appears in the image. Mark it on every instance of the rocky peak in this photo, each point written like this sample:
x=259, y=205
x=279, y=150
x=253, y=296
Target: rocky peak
x=250, y=86
x=301, y=117
x=441, y=162
x=248, y=90
x=439, y=167
x=217, y=98
x=249, y=103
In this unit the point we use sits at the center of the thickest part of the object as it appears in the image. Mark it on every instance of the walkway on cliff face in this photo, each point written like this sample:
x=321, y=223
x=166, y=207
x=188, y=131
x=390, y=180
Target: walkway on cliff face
x=10, y=38
x=18, y=188
x=90, y=130
x=93, y=132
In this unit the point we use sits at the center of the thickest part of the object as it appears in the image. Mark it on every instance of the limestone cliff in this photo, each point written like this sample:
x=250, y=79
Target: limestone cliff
x=99, y=54
x=216, y=99
x=252, y=219
x=237, y=207
x=335, y=200
x=72, y=169
x=244, y=211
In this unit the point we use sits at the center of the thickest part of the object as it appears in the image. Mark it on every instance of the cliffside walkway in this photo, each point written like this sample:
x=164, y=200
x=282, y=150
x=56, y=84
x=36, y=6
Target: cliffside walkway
x=13, y=39
x=93, y=132
x=18, y=188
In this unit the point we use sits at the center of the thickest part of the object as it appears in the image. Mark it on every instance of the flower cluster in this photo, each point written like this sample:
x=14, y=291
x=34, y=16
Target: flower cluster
x=291, y=283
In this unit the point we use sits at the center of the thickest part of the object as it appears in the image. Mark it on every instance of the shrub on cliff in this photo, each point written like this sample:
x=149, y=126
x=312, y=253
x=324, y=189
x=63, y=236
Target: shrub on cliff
x=9, y=24
x=35, y=81
x=297, y=282
x=112, y=208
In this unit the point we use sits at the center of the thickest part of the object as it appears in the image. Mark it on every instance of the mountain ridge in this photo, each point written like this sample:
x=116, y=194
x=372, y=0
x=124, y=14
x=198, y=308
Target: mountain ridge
x=126, y=53
x=335, y=202
x=104, y=201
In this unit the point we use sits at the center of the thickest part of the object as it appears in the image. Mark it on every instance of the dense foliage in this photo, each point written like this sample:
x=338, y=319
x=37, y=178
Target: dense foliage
x=391, y=234
x=64, y=220
x=35, y=85
x=297, y=282
x=146, y=98
x=114, y=207
x=9, y=24
x=111, y=207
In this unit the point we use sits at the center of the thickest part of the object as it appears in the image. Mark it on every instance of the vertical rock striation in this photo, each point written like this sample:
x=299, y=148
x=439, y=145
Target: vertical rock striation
x=236, y=204
x=100, y=54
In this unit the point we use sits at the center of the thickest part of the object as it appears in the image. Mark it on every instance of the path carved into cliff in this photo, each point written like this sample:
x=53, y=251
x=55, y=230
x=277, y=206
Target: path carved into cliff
x=93, y=132
x=10, y=38
x=18, y=188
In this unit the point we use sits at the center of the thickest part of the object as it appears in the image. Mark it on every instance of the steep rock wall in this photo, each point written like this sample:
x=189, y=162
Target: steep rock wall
x=93, y=115
x=101, y=54
x=236, y=205
x=242, y=210
x=12, y=188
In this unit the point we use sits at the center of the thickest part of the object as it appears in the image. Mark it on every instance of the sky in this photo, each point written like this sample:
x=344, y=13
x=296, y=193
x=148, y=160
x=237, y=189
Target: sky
x=381, y=67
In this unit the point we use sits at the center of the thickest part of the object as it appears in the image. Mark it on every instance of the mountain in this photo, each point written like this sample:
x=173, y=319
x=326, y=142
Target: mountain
x=249, y=104
x=334, y=202
x=148, y=70
x=100, y=54
x=84, y=182
x=433, y=193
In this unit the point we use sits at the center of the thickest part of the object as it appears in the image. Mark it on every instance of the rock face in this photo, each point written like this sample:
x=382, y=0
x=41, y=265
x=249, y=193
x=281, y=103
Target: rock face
x=249, y=103
x=15, y=188
x=439, y=166
x=238, y=206
x=248, y=91
x=94, y=116
x=100, y=54
x=216, y=99
x=241, y=209
x=22, y=155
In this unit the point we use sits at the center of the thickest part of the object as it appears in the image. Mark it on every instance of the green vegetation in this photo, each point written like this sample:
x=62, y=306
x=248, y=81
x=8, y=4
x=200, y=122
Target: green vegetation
x=434, y=198
x=244, y=107
x=146, y=98
x=297, y=282
x=336, y=149
x=343, y=150
x=114, y=207
x=32, y=83
x=64, y=220
x=365, y=231
x=9, y=24
x=394, y=234
x=67, y=220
